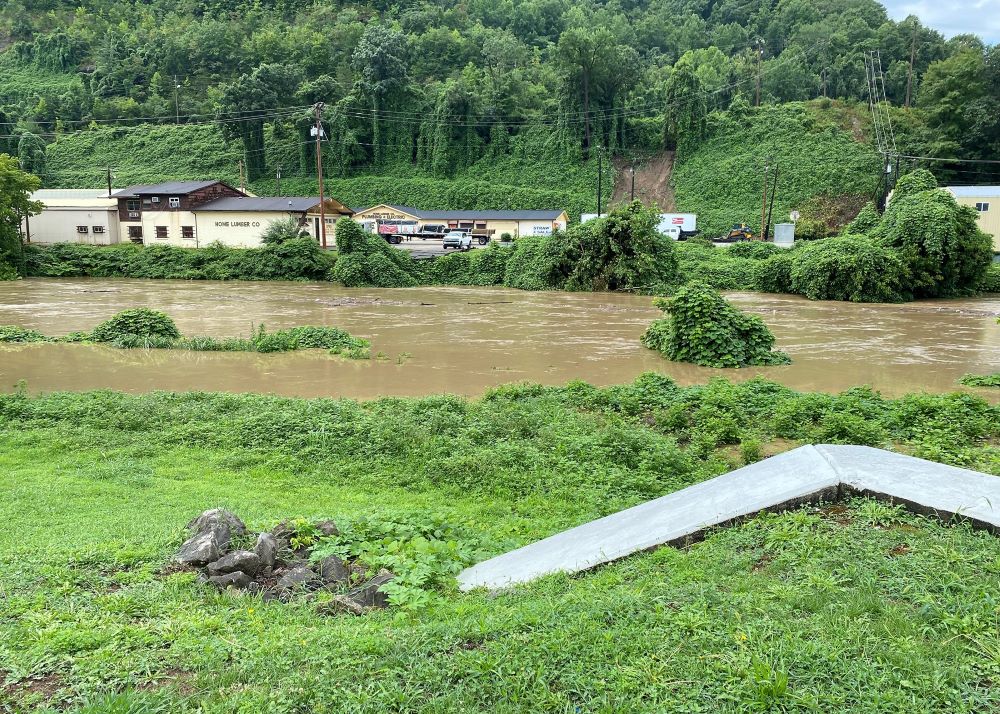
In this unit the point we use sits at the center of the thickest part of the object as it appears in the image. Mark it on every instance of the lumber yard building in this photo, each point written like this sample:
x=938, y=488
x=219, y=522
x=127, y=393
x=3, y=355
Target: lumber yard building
x=390, y=218
x=188, y=214
x=986, y=201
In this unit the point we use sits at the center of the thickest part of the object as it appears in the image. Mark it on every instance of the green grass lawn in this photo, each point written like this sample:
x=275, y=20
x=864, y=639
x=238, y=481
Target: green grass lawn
x=857, y=607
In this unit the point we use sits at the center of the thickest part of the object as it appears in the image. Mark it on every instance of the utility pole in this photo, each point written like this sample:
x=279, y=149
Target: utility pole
x=239, y=165
x=109, y=182
x=822, y=75
x=760, y=57
x=599, y=177
x=277, y=179
x=318, y=133
x=763, y=200
x=633, y=182
x=770, y=208
x=909, y=72
x=177, y=109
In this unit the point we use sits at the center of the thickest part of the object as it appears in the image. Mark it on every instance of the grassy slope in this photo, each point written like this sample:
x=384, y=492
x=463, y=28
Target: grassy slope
x=145, y=155
x=20, y=83
x=864, y=609
x=163, y=152
x=721, y=179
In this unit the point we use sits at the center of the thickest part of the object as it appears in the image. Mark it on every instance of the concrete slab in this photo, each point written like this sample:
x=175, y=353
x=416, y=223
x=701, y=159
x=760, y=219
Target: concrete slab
x=783, y=481
x=787, y=479
x=924, y=486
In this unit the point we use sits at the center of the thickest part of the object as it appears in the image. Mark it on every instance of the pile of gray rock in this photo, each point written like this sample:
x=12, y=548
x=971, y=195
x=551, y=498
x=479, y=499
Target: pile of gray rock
x=229, y=556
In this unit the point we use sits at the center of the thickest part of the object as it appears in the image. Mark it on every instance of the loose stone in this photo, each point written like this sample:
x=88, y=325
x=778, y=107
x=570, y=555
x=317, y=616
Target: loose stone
x=230, y=580
x=333, y=570
x=244, y=560
x=266, y=549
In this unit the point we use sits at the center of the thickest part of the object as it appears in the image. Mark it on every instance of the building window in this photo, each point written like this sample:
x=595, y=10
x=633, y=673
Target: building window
x=187, y=232
x=132, y=204
x=147, y=202
x=135, y=232
x=982, y=207
x=174, y=201
x=98, y=229
x=161, y=232
x=82, y=229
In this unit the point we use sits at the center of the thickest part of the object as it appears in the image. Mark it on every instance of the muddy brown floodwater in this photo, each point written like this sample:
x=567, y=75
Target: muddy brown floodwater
x=465, y=340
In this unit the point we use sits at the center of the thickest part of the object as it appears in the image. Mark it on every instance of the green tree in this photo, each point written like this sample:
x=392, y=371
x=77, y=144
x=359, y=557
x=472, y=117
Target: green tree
x=16, y=187
x=31, y=153
x=381, y=63
x=588, y=56
x=687, y=109
x=249, y=101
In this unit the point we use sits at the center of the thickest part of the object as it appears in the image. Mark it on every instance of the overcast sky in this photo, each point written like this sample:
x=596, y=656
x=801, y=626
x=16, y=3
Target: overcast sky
x=952, y=17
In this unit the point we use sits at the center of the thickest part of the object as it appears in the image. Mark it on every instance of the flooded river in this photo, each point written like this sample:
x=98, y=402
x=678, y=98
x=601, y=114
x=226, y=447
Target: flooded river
x=464, y=340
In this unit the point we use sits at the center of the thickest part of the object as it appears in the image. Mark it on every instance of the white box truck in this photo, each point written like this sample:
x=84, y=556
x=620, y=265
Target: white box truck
x=679, y=226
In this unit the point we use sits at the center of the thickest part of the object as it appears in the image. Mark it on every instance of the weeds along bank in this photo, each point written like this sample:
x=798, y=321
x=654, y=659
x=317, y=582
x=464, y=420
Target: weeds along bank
x=152, y=329
x=831, y=607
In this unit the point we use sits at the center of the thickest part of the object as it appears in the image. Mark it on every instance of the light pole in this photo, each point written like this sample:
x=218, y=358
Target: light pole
x=318, y=133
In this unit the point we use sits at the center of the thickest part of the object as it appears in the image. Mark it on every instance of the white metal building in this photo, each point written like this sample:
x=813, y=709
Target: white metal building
x=72, y=215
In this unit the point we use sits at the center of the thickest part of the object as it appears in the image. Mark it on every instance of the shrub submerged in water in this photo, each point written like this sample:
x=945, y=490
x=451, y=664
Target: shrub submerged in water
x=705, y=329
x=139, y=322
x=142, y=328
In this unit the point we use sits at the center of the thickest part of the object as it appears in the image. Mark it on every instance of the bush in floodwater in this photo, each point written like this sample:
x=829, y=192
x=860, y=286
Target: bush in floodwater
x=334, y=339
x=938, y=240
x=366, y=260
x=623, y=251
x=7, y=271
x=136, y=323
x=13, y=333
x=774, y=275
x=852, y=268
x=704, y=328
x=980, y=380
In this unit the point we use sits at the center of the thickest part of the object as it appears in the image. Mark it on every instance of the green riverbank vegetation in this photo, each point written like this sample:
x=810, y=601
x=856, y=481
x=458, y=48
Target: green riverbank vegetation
x=980, y=380
x=856, y=607
x=704, y=328
x=151, y=329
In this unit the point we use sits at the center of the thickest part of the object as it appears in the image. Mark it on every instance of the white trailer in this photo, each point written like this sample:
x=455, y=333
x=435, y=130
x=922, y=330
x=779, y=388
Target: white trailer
x=676, y=225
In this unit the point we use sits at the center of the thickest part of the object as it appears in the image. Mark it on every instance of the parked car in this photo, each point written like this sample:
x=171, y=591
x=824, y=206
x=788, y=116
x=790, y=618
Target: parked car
x=461, y=240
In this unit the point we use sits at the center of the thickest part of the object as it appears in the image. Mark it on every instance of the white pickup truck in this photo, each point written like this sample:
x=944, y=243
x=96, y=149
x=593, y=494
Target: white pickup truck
x=461, y=240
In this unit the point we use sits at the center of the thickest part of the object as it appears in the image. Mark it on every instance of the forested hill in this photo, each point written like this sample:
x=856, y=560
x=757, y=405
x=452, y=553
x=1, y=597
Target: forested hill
x=509, y=93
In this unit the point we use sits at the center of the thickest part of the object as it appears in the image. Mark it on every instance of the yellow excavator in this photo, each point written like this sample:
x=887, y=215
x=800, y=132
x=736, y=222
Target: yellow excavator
x=739, y=232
